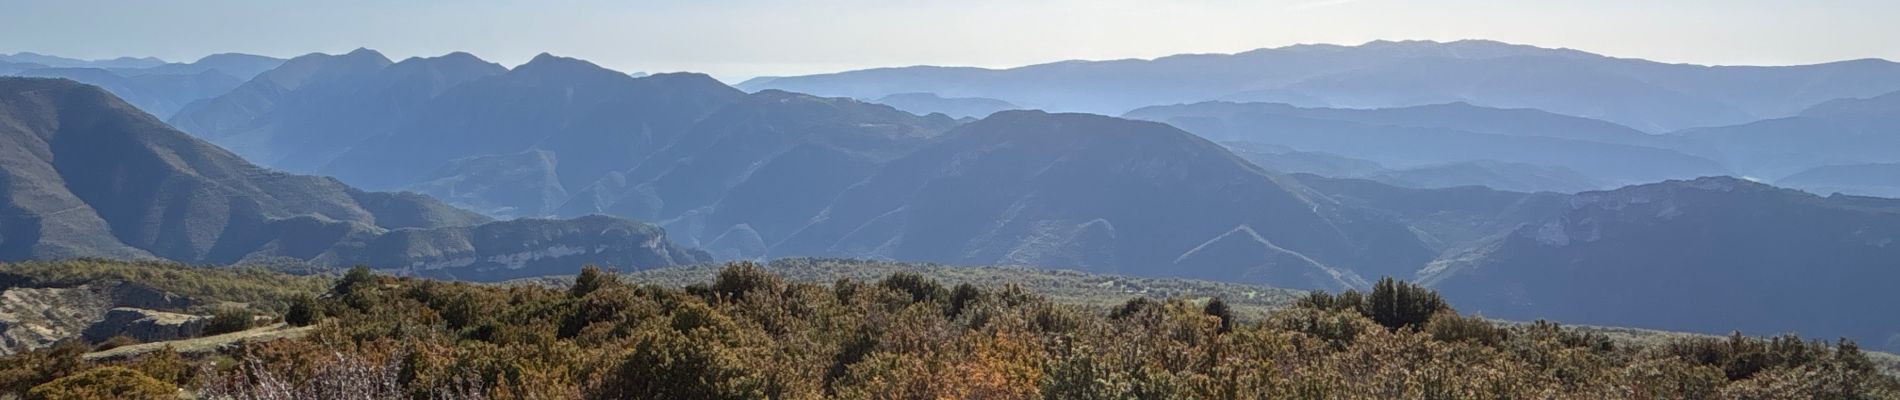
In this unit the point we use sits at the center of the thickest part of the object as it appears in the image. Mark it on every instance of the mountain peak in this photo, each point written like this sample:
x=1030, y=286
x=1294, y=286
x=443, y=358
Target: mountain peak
x=451, y=59
x=546, y=58
x=1081, y=125
x=364, y=52
x=459, y=55
x=232, y=57
x=548, y=66
x=682, y=79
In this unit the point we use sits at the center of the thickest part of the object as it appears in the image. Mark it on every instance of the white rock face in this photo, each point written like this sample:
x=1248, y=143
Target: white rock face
x=521, y=260
x=1553, y=234
x=516, y=260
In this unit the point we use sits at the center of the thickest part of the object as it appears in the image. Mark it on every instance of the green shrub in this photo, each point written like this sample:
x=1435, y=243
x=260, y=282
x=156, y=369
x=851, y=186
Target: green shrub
x=1135, y=307
x=1448, y=326
x=591, y=278
x=303, y=311
x=357, y=278
x=919, y=288
x=738, y=279
x=115, y=342
x=228, y=319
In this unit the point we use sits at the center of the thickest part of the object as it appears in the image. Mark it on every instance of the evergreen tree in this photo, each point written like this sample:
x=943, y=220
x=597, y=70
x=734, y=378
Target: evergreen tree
x=1396, y=304
x=303, y=312
x=357, y=277
x=1217, y=307
x=590, y=279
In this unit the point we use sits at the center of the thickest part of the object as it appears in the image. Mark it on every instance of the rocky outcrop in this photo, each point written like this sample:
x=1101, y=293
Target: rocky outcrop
x=34, y=315
x=37, y=317
x=144, y=325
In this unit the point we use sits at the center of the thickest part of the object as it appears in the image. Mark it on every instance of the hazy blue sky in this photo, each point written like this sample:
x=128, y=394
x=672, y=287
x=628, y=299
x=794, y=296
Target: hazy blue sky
x=739, y=39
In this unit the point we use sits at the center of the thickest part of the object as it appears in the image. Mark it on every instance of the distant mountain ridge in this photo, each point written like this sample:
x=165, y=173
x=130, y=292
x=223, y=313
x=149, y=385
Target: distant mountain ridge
x=65, y=62
x=159, y=94
x=955, y=107
x=1840, y=132
x=151, y=84
x=84, y=174
x=1651, y=96
x=1855, y=179
x=1436, y=135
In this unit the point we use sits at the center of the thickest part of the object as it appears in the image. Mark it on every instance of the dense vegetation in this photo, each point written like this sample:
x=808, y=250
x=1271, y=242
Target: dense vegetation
x=254, y=286
x=749, y=333
x=1060, y=286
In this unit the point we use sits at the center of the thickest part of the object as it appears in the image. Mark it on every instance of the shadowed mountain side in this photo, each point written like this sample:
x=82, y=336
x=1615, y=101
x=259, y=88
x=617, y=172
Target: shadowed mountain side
x=1102, y=194
x=768, y=163
x=83, y=174
x=1707, y=255
x=1446, y=219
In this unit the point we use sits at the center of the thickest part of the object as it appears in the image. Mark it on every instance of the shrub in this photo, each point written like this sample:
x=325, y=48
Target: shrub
x=1135, y=306
x=961, y=298
x=1448, y=326
x=917, y=286
x=104, y=383
x=359, y=277
x=165, y=365
x=115, y=342
x=590, y=279
x=1218, y=308
x=738, y=279
x=1337, y=328
x=303, y=312
x=22, y=371
x=673, y=366
x=228, y=319
x=1320, y=300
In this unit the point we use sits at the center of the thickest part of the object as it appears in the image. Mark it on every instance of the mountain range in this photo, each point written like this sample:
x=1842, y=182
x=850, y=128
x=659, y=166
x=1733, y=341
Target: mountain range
x=1651, y=96
x=1840, y=132
x=1291, y=195
x=45, y=60
x=84, y=174
x=1881, y=180
x=773, y=173
x=1435, y=135
x=956, y=107
x=153, y=85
